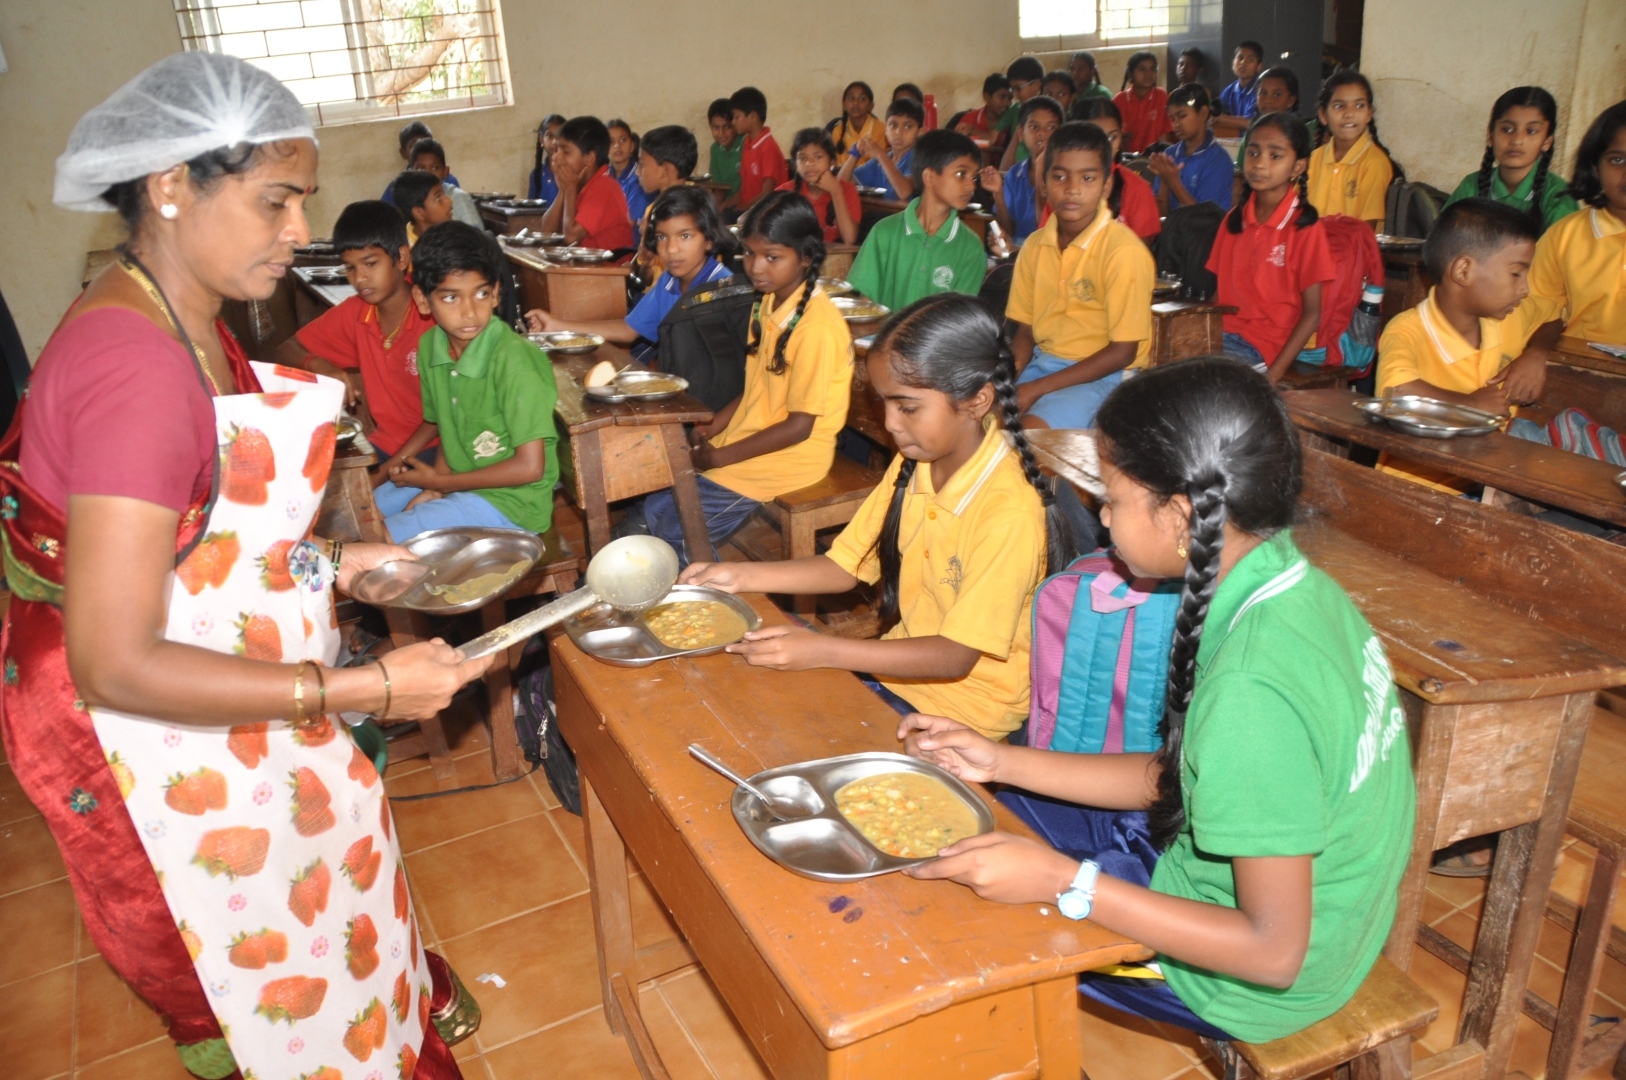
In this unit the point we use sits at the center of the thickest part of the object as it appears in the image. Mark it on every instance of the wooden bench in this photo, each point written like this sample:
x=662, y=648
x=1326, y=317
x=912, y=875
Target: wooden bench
x=800, y=515
x=1182, y=329
x=1575, y=352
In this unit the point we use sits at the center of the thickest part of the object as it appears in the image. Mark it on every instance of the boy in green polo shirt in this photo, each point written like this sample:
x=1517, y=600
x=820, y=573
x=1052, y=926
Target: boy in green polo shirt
x=488, y=395
x=926, y=249
x=726, y=145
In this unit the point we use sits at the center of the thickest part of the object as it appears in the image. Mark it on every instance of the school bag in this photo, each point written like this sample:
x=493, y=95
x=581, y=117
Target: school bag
x=1410, y=208
x=1099, y=664
x=704, y=337
x=536, y=724
x=1356, y=262
x=1183, y=246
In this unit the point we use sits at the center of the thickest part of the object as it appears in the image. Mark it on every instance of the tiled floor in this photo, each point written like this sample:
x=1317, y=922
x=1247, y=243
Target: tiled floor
x=500, y=883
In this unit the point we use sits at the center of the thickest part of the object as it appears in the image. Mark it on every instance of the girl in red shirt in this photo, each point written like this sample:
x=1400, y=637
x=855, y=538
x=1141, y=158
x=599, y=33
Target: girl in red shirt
x=1130, y=198
x=814, y=154
x=1143, y=104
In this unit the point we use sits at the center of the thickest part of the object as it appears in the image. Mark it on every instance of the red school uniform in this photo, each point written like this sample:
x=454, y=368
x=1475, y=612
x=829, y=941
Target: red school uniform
x=761, y=159
x=601, y=209
x=349, y=337
x=825, y=213
x=1264, y=270
x=1146, y=120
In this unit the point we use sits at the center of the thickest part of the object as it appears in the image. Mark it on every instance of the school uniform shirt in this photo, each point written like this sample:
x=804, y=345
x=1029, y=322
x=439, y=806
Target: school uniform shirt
x=901, y=262
x=845, y=136
x=1206, y=174
x=822, y=208
x=498, y=395
x=1093, y=90
x=872, y=175
x=464, y=208
x=632, y=188
x=762, y=160
x=1137, y=205
x=1556, y=200
x=1021, y=200
x=971, y=556
x=661, y=297
x=543, y=185
x=725, y=163
x=817, y=380
x=1357, y=186
x=348, y=336
x=1096, y=292
x=1263, y=272
x=1295, y=744
x=601, y=209
x=1240, y=100
x=1146, y=120
x=980, y=120
x=1581, y=266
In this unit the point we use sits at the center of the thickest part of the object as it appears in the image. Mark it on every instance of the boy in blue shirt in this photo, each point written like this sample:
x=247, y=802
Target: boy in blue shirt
x=408, y=138
x=1239, y=102
x=889, y=170
x=430, y=157
x=1015, y=203
x=1196, y=168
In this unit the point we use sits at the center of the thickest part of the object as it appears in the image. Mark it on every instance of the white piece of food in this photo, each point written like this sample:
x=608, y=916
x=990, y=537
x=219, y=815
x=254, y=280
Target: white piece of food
x=602, y=374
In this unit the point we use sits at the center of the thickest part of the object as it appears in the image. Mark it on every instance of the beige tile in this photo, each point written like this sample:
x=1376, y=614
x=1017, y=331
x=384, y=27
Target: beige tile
x=1121, y=1047
x=1574, y=874
x=1555, y=943
x=28, y=855
x=544, y=790
x=1457, y=891
x=1545, y=980
x=678, y=1052
x=36, y=931
x=1530, y=1045
x=1445, y=985
x=494, y=875
x=35, y=1025
x=570, y=827
x=581, y=1049
x=13, y=803
x=1460, y=928
x=700, y=1009
x=1436, y=908
x=428, y=822
x=84, y=948
x=156, y=1060
x=110, y=1017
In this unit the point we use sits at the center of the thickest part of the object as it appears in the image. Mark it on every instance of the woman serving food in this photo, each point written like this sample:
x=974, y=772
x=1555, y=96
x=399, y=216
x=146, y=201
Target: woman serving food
x=167, y=682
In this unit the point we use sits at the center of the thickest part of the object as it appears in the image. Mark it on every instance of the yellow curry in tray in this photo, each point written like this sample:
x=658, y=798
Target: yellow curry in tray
x=906, y=814
x=695, y=624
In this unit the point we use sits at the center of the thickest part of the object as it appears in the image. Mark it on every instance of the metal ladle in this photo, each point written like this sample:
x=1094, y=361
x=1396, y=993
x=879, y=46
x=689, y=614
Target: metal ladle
x=783, y=809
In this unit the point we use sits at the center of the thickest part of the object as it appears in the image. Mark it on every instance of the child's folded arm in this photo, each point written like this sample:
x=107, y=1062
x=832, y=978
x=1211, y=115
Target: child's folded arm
x=1526, y=377
x=793, y=429
x=527, y=465
x=426, y=434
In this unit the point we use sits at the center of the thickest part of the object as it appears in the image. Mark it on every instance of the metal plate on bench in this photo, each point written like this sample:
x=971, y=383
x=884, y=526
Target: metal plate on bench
x=1428, y=418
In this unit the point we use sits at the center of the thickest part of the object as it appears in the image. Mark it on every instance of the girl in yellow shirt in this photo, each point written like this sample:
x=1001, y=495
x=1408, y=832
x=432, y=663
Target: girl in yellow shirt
x=857, y=121
x=1350, y=171
x=958, y=534
x=1581, y=260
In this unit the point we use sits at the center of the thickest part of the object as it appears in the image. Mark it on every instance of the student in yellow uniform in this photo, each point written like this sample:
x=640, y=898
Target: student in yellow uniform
x=1081, y=295
x=958, y=533
x=1350, y=171
x=1581, y=261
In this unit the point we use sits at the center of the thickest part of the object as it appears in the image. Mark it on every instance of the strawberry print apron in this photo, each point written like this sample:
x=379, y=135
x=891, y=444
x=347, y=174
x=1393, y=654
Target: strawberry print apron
x=274, y=846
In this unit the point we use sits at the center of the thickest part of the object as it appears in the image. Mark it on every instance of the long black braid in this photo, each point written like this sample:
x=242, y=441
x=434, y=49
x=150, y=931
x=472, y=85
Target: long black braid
x=1487, y=168
x=541, y=158
x=1298, y=136
x=786, y=218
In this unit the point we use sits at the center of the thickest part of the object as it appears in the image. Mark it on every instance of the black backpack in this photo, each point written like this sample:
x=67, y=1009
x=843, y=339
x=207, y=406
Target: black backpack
x=536, y=725
x=1410, y=208
x=1183, y=246
x=704, y=337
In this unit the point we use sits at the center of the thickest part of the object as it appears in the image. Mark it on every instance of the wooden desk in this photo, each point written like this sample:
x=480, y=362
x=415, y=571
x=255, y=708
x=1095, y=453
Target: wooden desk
x=881, y=206
x=1576, y=353
x=580, y=293
x=1542, y=474
x=1597, y=392
x=508, y=220
x=622, y=451
x=1406, y=279
x=1182, y=329
x=719, y=192
x=888, y=977
x=1070, y=455
x=838, y=260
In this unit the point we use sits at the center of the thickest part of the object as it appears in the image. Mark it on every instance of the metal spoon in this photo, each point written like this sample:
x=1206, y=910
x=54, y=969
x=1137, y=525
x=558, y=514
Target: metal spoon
x=783, y=809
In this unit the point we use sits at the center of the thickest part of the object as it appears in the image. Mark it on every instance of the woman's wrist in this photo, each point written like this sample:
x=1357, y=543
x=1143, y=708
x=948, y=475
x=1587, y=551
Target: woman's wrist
x=355, y=689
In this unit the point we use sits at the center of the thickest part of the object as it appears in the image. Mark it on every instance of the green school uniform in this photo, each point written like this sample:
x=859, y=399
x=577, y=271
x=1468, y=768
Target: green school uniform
x=901, y=262
x=1295, y=744
x=1094, y=90
x=1556, y=200
x=498, y=395
x=725, y=163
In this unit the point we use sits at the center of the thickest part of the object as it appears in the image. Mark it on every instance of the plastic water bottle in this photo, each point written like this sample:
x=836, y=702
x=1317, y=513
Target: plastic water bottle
x=930, y=108
x=1371, y=300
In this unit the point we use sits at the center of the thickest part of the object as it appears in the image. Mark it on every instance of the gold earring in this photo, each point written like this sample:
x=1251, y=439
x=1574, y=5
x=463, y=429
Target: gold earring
x=1180, y=549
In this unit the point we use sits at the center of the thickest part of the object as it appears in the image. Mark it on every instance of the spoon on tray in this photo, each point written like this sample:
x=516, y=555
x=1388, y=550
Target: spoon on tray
x=783, y=809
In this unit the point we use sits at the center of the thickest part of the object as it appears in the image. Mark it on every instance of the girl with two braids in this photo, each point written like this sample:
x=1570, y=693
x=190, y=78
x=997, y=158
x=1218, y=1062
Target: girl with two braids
x=1350, y=169
x=1516, y=170
x=958, y=534
x=835, y=201
x=1280, y=804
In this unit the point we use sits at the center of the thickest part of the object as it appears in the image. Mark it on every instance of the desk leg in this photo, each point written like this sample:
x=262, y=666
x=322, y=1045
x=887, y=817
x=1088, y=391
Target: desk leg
x=499, y=682
x=686, y=493
x=590, y=479
x=612, y=903
x=1055, y=1005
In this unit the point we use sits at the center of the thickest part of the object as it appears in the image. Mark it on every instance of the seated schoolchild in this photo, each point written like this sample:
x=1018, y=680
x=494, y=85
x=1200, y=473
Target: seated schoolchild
x=1189, y=66
x=1130, y=198
x=1143, y=104
x=723, y=160
x=591, y=209
x=957, y=547
x=889, y=168
x=1275, y=90
x=926, y=249
x=541, y=184
x=421, y=197
x=780, y=433
x=1081, y=295
x=1239, y=102
x=666, y=159
x=1019, y=193
x=1086, y=77
x=857, y=120
x=1350, y=171
x=429, y=156
x=1270, y=256
x=488, y=396
x=624, y=156
x=1026, y=76
x=1060, y=87
x=409, y=135
x=762, y=163
x=1266, y=903
x=1516, y=169
x=1196, y=168
x=983, y=123
x=834, y=200
x=371, y=340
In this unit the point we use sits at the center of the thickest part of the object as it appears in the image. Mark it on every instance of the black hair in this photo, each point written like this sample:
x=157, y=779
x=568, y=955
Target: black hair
x=1215, y=431
x=637, y=143
x=1289, y=79
x=427, y=146
x=937, y=150
x=1586, y=185
x=1136, y=59
x=450, y=247
x=695, y=202
x=843, y=122
x=1089, y=110
x=541, y=129
x=953, y=344
x=748, y=99
x=1093, y=108
x=1078, y=135
x=674, y=145
x=858, y=84
x=410, y=190
x=911, y=89
x=1254, y=47
x=204, y=172
x=1062, y=78
x=820, y=138
x=1088, y=58
x=1026, y=68
x=1115, y=184
x=1477, y=227
x=1191, y=95
x=786, y=217
x=720, y=107
x=412, y=132
x=909, y=107
x=1337, y=81
x=1525, y=97
x=994, y=83
x=1298, y=136
x=1192, y=50
x=370, y=223
x=590, y=135
x=1039, y=103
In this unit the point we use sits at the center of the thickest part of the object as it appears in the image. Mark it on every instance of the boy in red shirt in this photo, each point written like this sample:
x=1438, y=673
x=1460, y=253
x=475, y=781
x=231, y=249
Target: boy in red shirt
x=371, y=340
x=762, y=163
x=591, y=209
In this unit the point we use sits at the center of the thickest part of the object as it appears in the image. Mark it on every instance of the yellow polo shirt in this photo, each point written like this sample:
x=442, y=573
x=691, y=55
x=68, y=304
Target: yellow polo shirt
x=972, y=554
x=1096, y=292
x=846, y=137
x=1357, y=186
x=817, y=379
x=1581, y=266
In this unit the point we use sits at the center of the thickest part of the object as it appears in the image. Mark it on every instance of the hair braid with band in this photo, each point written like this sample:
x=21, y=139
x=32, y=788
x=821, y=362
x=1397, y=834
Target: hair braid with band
x=1487, y=167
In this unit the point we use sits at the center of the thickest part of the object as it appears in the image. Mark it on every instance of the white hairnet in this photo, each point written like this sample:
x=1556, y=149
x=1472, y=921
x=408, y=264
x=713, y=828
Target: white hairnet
x=185, y=105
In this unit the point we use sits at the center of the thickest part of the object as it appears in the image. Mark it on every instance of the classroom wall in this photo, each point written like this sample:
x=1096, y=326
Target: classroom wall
x=655, y=66
x=1436, y=68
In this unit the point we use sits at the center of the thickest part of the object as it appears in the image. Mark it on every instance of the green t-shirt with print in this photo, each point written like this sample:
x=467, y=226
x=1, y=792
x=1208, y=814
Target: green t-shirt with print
x=725, y=163
x=1556, y=200
x=1295, y=744
x=498, y=395
x=901, y=262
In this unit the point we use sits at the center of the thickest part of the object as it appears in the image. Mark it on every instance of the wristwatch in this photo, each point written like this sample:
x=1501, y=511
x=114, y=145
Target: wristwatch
x=1077, y=901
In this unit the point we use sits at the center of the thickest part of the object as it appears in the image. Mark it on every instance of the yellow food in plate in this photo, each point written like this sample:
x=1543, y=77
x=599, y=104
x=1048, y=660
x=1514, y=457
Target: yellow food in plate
x=482, y=585
x=602, y=374
x=906, y=814
x=695, y=624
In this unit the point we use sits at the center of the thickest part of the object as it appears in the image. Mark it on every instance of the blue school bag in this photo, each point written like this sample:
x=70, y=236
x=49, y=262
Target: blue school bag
x=1100, y=658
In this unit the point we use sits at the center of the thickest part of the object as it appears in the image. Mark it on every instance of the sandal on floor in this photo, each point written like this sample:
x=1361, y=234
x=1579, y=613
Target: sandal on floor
x=1458, y=864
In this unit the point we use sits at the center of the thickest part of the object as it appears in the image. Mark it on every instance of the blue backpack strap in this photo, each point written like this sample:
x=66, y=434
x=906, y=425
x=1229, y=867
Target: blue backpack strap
x=1149, y=668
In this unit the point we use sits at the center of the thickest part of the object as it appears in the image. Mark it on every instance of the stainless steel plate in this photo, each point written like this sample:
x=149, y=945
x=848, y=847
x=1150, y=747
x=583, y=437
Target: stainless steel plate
x=326, y=275
x=566, y=342
x=637, y=386
x=581, y=255
x=826, y=846
x=610, y=635
x=450, y=557
x=834, y=286
x=860, y=308
x=1167, y=285
x=535, y=240
x=490, y=196
x=520, y=204
x=348, y=428
x=1428, y=418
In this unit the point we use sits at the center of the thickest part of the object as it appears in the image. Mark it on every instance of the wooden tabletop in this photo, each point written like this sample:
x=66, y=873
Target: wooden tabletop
x=581, y=413
x=858, y=958
x=535, y=259
x=1577, y=353
x=1070, y=455
x=1543, y=474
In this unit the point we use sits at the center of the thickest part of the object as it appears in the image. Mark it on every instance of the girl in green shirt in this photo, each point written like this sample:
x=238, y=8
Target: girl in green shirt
x=1518, y=155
